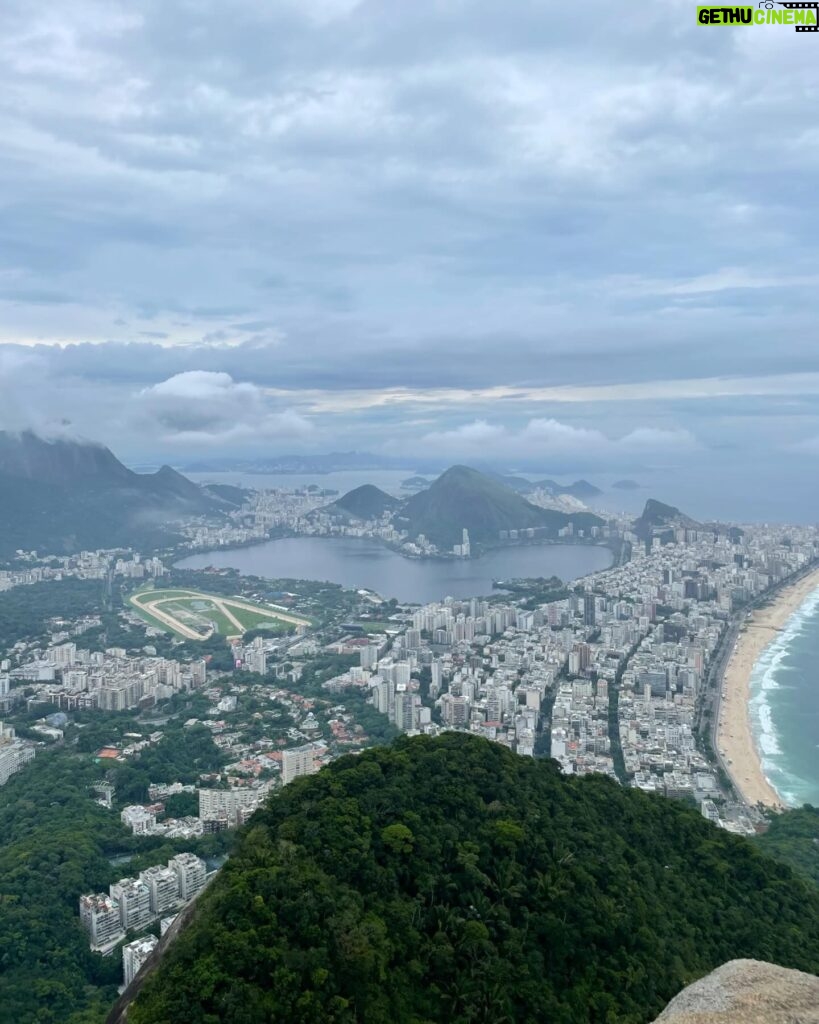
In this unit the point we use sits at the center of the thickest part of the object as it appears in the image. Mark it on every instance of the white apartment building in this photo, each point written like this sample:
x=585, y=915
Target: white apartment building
x=163, y=884
x=139, y=820
x=100, y=916
x=228, y=804
x=14, y=754
x=190, y=872
x=299, y=761
x=134, y=956
x=133, y=897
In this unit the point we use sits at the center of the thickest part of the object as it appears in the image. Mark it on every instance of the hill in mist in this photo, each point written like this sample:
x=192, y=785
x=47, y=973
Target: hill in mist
x=61, y=496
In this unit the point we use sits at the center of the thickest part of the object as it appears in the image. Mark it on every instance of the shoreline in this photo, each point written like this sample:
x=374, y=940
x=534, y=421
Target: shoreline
x=735, y=737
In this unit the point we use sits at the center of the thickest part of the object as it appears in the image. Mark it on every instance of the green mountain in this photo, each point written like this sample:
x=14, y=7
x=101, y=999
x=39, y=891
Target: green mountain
x=450, y=880
x=464, y=498
x=64, y=496
x=366, y=502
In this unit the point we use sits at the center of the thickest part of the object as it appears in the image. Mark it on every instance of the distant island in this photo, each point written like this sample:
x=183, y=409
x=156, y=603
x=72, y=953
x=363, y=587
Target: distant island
x=626, y=485
x=415, y=483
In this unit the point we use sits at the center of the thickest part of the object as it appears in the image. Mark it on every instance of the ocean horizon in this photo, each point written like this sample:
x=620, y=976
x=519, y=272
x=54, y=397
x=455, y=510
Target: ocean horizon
x=784, y=707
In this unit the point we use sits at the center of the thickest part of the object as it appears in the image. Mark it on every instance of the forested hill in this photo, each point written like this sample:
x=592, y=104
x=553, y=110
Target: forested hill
x=464, y=498
x=365, y=502
x=450, y=880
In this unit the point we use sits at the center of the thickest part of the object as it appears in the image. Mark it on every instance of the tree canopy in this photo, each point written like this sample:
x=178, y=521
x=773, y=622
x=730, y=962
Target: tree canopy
x=449, y=880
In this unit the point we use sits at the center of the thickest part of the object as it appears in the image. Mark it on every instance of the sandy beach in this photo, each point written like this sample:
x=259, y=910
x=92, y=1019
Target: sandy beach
x=734, y=735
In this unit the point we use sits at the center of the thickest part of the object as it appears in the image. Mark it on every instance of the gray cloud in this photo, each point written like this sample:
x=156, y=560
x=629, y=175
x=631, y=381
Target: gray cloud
x=343, y=199
x=201, y=407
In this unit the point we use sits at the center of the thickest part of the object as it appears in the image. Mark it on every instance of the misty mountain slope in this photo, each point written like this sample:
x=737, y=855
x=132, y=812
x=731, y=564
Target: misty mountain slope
x=451, y=880
x=64, y=496
x=464, y=498
x=580, y=489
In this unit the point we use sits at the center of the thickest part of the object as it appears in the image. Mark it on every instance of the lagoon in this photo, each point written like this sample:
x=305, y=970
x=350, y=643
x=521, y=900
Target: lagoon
x=364, y=564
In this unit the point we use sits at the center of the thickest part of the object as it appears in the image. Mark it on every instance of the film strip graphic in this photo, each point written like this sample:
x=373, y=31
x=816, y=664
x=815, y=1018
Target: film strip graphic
x=799, y=7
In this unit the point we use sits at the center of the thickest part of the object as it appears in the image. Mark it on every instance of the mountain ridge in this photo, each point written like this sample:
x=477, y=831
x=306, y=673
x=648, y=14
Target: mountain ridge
x=464, y=498
x=60, y=496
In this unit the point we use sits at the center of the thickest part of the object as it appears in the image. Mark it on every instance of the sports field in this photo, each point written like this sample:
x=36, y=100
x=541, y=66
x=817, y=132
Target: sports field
x=194, y=615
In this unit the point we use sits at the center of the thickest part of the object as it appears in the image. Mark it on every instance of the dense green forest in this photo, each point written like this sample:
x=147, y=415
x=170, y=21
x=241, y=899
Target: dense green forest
x=793, y=837
x=56, y=843
x=25, y=611
x=449, y=880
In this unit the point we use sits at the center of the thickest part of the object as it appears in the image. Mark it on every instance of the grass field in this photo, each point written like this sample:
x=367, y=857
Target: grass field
x=195, y=615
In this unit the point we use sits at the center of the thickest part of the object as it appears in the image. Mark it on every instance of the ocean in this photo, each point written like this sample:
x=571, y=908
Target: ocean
x=785, y=707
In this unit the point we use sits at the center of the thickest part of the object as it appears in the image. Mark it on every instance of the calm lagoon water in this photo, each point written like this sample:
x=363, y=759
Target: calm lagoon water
x=359, y=563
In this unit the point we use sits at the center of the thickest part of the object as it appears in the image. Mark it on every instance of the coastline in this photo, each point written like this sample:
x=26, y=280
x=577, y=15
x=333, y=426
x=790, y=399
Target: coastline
x=735, y=738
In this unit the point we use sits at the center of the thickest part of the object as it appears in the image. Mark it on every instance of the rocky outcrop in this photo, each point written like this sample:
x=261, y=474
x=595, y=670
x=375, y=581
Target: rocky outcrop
x=747, y=992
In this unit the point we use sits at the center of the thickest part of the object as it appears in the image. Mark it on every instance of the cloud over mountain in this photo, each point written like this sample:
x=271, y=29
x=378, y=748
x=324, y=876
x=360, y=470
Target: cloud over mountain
x=203, y=407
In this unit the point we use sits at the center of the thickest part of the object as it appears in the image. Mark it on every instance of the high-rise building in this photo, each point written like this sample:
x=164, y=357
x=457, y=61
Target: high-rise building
x=101, y=919
x=199, y=672
x=401, y=673
x=298, y=761
x=163, y=884
x=133, y=897
x=406, y=705
x=369, y=656
x=63, y=656
x=589, y=610
x=134, y=956
x=226, y=805
x=454, y=710
x=14, y=754
x=190, y=872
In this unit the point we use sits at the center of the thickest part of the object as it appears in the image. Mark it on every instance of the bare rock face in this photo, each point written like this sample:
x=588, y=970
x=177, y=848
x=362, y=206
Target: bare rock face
x=747, y=992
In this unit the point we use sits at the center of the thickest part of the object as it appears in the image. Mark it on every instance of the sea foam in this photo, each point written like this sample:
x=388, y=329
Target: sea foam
x=766, y=678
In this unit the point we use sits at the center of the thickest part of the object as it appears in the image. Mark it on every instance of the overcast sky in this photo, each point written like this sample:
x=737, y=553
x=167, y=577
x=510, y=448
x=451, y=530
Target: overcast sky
x=582, y=235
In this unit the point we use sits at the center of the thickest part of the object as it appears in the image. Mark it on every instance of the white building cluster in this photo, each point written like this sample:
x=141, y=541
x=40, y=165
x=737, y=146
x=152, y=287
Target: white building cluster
x=87, y=565
x=133, y=904
x=14, y=754
x=75, y=678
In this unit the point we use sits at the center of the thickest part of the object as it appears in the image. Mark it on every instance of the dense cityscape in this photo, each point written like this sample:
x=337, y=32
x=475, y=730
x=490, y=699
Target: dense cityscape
x=614, y=674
